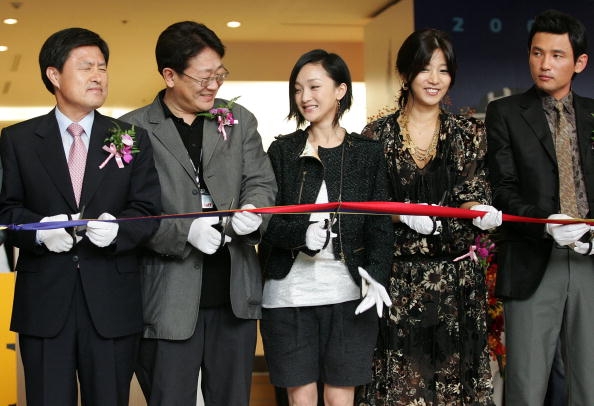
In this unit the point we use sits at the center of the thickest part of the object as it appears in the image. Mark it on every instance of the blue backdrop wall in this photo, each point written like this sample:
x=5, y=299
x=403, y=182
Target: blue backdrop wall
x=490, y=39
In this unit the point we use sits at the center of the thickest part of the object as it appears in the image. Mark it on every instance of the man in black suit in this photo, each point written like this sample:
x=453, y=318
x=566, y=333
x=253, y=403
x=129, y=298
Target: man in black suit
x=546, y=273
x=77, y=302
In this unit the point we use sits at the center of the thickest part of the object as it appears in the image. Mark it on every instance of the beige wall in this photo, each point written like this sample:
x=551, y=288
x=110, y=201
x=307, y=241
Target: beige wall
x=247, y=61
x=383, y=37
x=273, y=61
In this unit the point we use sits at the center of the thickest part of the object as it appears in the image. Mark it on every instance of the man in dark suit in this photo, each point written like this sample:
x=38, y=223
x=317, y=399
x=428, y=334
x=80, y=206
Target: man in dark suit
x=541, y=163
x=77, y=302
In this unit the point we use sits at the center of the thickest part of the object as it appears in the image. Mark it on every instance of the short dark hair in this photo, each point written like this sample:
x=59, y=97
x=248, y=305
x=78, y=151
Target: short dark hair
x=184, y=40
x=556, y=22
x=336, y=68
x=57, y=48
x=415, y=54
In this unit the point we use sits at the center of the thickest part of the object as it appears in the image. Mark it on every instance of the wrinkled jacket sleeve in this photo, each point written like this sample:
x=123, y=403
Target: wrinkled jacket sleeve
x=378, y=229
x=285, y=231
x=507, y=194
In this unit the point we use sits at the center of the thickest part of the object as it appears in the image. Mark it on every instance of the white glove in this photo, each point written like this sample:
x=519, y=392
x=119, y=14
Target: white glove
x=56, y=240
x=204, y=236
x=489, y=220
x=584, y=248
x=318, y=235
x=373, y=294
x=245, y=222
x=421, y=224
x=102, y=233
x=565, y=234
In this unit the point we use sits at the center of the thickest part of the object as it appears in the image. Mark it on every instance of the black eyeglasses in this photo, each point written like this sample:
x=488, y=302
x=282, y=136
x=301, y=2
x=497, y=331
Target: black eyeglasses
x=204, y=82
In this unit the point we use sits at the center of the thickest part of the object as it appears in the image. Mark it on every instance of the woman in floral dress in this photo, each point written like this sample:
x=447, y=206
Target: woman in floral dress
x=432, y=349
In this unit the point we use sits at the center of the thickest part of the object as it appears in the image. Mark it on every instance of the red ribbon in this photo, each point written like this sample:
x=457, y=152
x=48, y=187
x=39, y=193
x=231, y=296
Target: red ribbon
x=404, y=208
x=338, y=207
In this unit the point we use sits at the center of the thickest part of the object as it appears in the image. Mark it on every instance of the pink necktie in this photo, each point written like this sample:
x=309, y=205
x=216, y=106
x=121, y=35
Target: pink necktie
x=77, y=158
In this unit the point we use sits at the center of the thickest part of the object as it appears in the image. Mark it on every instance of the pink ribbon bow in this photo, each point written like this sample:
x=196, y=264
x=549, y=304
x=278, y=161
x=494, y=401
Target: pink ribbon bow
x=223, y=121
x=125, y=153
x=113, y=152
x=470, y=254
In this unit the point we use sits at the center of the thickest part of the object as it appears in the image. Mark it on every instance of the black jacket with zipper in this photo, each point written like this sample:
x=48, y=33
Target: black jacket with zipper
x=356, y=173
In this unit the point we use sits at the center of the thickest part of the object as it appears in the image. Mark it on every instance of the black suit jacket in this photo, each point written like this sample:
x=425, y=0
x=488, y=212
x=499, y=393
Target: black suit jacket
x=524, y=176
x=37, y=184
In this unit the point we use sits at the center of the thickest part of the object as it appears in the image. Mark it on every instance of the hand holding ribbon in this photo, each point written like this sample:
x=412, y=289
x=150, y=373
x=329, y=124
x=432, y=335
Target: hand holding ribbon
x=318, y=235
x=102, y=233
x=491, y=219
x=58, y=239
x=246, y=222
x=205, y=237
x=584, y=248
x=565, y=234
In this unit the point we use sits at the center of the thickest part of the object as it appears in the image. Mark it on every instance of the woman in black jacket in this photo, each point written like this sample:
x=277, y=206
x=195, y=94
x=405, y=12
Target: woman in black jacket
x=314, y=324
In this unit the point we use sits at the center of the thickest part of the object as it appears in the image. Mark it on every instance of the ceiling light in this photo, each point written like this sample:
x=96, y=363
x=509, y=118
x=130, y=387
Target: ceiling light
x=3, y=48
x=233, y=24
x=10, y=21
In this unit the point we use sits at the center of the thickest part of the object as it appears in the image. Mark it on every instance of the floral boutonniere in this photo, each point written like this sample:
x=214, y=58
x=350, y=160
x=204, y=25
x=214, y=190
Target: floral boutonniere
x=223, y=115
x=121, y=145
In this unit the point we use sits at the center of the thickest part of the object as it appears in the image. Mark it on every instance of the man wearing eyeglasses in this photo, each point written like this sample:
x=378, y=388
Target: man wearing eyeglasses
x=201, y=280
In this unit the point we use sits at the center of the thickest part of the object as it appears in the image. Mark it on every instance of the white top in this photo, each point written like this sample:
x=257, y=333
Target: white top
x=313, y=281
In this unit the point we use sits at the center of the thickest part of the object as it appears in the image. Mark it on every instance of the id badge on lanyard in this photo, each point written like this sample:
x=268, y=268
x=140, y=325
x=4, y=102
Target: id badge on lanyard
x=207, y=201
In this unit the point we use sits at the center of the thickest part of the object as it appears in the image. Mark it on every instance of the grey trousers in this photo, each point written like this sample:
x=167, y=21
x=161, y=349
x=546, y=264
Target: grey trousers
x=561, y=309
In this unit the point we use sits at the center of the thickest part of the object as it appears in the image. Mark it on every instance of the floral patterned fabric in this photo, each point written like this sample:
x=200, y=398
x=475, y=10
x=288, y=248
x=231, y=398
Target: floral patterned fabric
x=432, y=349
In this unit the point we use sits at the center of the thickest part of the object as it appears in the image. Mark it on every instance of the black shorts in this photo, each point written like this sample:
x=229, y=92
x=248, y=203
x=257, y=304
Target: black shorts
x=319, y=343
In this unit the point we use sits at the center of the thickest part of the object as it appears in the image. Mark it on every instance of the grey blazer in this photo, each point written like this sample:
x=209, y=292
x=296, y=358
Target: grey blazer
x=236, y=170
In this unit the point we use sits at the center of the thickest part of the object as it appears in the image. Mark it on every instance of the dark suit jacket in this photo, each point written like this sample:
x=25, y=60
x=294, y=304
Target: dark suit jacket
x=37, y=184
x=524, y=175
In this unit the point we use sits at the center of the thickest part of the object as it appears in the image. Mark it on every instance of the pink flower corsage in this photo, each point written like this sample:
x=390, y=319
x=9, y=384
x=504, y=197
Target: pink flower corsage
x=223, y=115
x=120, y=145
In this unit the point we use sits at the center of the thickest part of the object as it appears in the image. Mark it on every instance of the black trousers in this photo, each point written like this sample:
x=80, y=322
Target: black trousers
x=222, y=348
x=104, y=366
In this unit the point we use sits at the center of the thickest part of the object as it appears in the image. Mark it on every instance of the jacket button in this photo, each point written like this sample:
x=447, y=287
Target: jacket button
x=75, y=258
x=194, y=192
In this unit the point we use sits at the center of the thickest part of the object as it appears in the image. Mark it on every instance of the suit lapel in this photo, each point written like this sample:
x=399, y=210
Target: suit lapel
x=50, y=152
x=535, y=118
x=95, y=156
x=585, y=125
x=211, y=138
x=165, y=132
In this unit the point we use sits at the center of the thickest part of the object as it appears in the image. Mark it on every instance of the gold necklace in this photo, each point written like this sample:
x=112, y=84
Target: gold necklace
x=418, y=153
